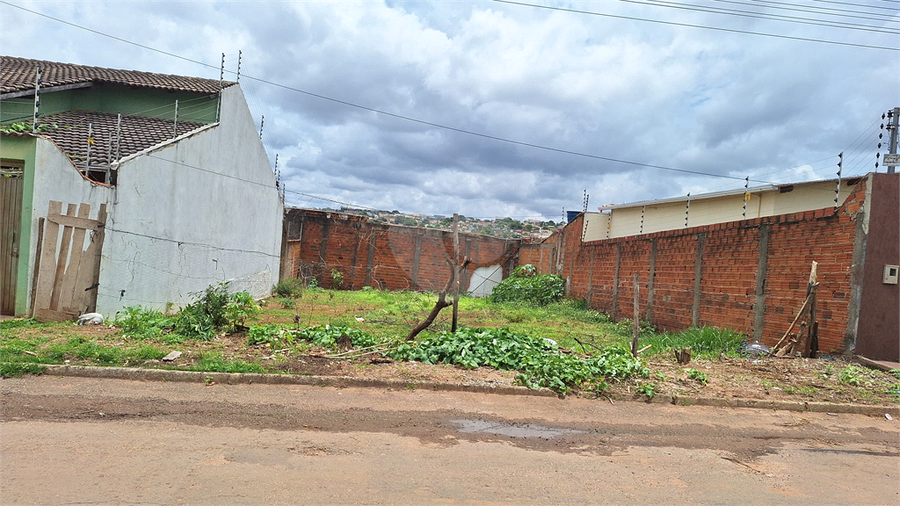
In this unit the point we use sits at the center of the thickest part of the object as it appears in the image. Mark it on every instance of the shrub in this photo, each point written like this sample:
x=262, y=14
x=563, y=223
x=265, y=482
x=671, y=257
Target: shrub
x=288, y=288
x=215, y=310
x=524, y=285
x=142, y=323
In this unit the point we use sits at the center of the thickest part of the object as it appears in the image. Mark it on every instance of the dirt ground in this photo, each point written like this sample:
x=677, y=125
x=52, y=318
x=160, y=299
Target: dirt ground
x=778, y=379
x=103, y=441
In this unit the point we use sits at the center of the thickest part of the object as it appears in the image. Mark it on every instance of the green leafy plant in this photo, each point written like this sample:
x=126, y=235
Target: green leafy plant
x=287, y=302
x=269, y=334
x=141, y=323
x=213, y=362
x=215, y=311
x=698, y=376
x=331, y=336
x=337, y=278
x=526, y=286
x=25, y=126
x=538, y=360
x=18, y=323
x=240, y=308
x=851, y=375
x=646, y=389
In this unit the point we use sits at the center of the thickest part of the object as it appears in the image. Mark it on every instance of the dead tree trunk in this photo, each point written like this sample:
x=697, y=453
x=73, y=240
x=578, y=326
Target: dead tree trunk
x=441, y=303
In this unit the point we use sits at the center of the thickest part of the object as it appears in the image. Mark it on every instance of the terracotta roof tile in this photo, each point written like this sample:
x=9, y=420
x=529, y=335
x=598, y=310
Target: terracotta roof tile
x=18, y=74
x=69, y=130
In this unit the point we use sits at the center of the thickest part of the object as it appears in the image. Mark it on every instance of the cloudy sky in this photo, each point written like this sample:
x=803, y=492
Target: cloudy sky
x=494, y=109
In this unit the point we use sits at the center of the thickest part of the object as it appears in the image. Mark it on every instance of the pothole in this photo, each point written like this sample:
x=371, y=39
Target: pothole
x=512, y=430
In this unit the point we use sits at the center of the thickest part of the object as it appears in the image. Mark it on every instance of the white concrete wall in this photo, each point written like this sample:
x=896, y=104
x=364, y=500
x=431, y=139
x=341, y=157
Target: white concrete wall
x=658, y=217
x=196, y=212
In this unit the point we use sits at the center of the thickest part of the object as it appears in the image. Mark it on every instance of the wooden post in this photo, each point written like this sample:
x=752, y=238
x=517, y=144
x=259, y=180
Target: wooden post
x=811, y=346
x=455, y=267
x=637, y=316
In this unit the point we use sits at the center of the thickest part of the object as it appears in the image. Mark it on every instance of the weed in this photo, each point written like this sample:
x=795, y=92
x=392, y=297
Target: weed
x=239, y=308
x=268, y=334
x=18, y=323
x=215, y=310
x=329, y=335
x=337, y=279
x=646, y=389
x=16, y=369
x=808, y=391
x=850, y=375
x=213, y=362
x=658, y=375
x=895, y=373
x=287, y=303
x=141, y=323
x=698, y=376
x=703, y=341
x=538, y=361
x=288, y=288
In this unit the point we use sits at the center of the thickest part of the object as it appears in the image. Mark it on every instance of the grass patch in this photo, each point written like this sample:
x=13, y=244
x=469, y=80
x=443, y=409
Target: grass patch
x=17, y=369
x=213, y=362
x=704, y=342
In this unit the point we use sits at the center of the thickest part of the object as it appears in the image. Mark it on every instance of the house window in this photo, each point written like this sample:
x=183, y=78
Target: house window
x=12, y=168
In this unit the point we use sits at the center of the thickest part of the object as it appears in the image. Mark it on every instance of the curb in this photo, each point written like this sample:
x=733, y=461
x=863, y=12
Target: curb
x=348, y=382
x=278, y=379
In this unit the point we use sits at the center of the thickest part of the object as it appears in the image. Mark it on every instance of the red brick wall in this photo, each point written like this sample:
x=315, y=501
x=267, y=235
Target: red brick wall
x=729, y=261
x=379, y=255
x=601, y=272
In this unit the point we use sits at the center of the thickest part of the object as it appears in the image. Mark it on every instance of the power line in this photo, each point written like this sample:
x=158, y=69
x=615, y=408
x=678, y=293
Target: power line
x=689, y=25
x=761, y=15
x=860, y=5
x=887, y=17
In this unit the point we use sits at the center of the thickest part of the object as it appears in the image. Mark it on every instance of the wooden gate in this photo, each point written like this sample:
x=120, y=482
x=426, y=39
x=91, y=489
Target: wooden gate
x=11, y=181
x=67, y=272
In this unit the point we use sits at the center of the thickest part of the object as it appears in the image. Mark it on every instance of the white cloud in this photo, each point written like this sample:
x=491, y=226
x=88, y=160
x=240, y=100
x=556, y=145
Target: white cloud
x=689, y=98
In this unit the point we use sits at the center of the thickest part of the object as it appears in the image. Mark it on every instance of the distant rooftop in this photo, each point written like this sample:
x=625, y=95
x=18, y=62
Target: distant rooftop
x=17, y=77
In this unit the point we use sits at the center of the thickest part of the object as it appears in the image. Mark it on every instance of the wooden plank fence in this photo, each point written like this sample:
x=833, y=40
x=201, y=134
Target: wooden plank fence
x=67, y=273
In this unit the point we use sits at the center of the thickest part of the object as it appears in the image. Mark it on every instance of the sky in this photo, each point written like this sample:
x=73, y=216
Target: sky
x=499, y=109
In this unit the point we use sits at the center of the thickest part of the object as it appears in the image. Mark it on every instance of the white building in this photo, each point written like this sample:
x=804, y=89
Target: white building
x=175, y=164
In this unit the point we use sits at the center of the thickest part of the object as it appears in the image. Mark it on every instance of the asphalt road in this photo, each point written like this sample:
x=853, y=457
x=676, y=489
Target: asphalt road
x=69, y=441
